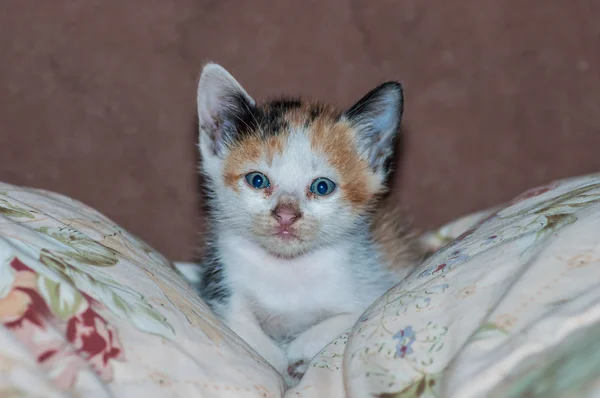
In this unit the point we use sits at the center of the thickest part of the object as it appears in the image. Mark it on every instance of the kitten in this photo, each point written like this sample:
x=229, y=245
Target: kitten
x=297, y=250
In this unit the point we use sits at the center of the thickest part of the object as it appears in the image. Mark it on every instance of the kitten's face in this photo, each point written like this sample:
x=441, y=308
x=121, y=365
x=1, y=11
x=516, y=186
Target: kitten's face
x=292, y=176
x=295, y=187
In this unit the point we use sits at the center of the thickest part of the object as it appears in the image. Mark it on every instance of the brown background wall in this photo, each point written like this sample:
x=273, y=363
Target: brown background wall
x=97, y=96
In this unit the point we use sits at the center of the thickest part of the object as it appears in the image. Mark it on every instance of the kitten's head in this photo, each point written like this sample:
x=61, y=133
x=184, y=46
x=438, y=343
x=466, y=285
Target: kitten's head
x=293, y=176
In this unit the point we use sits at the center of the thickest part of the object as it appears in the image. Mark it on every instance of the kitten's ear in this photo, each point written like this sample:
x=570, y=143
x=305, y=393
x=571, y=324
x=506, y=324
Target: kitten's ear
x=222, y=105
x=376, y=117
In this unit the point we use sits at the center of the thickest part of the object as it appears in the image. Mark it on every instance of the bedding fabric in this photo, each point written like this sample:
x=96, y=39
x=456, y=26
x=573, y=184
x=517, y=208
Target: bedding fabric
x=509, y=306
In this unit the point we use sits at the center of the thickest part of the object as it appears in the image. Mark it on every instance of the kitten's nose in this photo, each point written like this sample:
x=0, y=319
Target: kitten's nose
x=286, y=214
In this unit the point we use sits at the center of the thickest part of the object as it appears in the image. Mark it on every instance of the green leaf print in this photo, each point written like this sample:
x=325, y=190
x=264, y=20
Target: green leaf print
x=486, y=331
x=123, y=302
x=141, y=314
x=566, y=203
x=556, y=222
x=48, y=259
x=491, y=327
x=7, y=209
x=425, y=387
x=64, y=301
x=85, y=250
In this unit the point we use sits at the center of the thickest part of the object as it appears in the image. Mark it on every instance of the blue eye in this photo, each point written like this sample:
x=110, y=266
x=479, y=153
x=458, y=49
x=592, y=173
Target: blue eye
x=257, y=180
x=322, y=186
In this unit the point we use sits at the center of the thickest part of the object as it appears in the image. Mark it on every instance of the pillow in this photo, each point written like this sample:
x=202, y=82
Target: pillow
x=509, y=306
x=87, y=309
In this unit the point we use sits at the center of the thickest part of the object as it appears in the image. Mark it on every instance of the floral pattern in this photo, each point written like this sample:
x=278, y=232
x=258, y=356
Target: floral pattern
x=406, y=338
x=94, y=309
x=25, y=308
x=506, y=304
x=470, y=320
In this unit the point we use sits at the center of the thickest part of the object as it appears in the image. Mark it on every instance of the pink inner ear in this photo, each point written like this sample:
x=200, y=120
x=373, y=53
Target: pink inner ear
x=212, y=102
x=208, y=121
x=210, y=105
x=215, y=138
x=215, y=85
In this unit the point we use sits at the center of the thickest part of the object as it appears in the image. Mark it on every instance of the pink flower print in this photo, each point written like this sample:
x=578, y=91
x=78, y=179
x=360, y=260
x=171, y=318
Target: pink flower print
x=95, y=340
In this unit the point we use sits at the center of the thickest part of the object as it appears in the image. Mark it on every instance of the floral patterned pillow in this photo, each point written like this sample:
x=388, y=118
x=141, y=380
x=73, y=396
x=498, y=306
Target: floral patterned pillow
x=88, y=309
x=508, y=307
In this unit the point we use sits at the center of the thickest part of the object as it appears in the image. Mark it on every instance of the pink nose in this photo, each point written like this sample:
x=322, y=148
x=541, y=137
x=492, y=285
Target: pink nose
x=286, y=214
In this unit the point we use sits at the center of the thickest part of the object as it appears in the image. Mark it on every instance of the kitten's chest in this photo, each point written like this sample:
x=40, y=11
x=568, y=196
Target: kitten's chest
x=287, y=296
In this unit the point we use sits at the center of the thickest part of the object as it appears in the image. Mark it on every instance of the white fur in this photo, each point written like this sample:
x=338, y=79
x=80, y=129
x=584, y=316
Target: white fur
x=293, y=300
x=214, y=86
x=288, y=299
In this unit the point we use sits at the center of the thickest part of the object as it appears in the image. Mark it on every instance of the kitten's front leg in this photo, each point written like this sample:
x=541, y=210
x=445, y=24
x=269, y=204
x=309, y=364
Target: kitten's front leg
x=243, y=322
x=310, y=342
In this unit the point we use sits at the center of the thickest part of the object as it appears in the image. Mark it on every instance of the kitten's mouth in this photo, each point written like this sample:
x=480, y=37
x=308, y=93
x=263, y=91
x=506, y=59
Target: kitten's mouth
x=286, y=235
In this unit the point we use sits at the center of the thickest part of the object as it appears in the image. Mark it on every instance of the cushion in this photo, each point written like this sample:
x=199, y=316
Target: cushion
x=508, y=306
x=90, y=310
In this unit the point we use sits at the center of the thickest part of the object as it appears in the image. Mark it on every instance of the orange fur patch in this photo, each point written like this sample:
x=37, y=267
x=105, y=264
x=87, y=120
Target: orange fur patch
x=297, y=117
x=328, y=136
x=274, y=146
x=248, y=151
x=336, y=141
